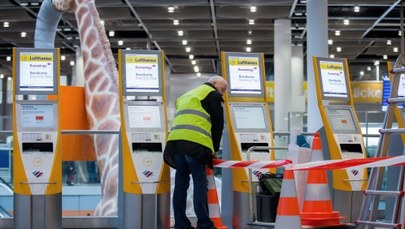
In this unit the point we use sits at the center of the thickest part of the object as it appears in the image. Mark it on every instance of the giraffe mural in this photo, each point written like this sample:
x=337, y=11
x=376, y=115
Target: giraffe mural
x=101, y=96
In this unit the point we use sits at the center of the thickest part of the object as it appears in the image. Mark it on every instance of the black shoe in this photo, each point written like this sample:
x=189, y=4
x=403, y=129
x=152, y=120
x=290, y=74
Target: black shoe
x=69, y=183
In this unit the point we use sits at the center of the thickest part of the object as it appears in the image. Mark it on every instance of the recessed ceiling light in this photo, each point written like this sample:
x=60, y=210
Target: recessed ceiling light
x=176, y=22
x=253, y=9
x=346, y=22
x=191, y=56
x=389, y=42
x=249, y=41
x=368, y=68
x=170, y=9
x=395, y=49
x=251, y=21
x=120, y=42
x=6, y=24
x=330, y=42
x=102, y=22
x=193, y=62
x=198, y=74
x=72, y=63
x=356, y=8
x=1, y=76
x=250, y=32
x=332, y=56
x=337, y=33
x=385, y=57
x=8, y=58
x=63, y=57
x=180, y=33
x=338, y=49
x=376, y=62
x=188, y=49
x=184, y=42
x=9, y=78
x=23, y=34
x=248, y=49
x=399, y=33
x=196, y=69
x=361, y=73
x=128, y=48
x=111, y=33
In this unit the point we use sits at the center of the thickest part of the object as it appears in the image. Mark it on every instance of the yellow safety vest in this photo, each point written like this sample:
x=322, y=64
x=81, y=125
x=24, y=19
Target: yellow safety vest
x=192, y=122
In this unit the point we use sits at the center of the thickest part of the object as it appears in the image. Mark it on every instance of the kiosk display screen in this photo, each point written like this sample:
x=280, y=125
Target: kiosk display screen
x=142, y=73
x=37, y=116
x=245, y=75
x=36, y=71
x=333, y=79
x=342, y=120
x=249, y=117
x=144, y=117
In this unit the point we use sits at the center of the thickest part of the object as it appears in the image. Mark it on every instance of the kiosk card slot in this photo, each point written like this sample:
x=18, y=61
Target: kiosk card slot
x=149, y=147
x=43, y=147
x=351, y=148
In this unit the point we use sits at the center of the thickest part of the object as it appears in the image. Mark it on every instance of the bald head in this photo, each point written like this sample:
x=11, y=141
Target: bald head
x=219, y=83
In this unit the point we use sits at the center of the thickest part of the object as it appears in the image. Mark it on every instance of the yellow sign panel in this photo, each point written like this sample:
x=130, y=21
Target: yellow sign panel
x=363, y=92
x=146, y=59
x=242, y=61
x=33, y=57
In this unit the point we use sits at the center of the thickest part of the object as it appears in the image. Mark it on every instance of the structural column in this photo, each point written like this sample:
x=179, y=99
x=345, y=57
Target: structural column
x=282, y=73
x=317, y=45
x=297, y=78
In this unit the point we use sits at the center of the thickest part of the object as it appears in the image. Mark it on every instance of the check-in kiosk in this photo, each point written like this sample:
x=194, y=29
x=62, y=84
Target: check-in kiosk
x=37, y=156
x=146, y=178
x=342, y=132
x=248, y=122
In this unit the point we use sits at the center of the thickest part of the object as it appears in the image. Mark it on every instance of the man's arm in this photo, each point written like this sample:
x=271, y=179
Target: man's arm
x=213, y=105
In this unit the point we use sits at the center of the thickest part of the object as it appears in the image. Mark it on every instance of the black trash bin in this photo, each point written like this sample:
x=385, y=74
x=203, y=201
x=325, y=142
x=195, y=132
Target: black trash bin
x=266, y=207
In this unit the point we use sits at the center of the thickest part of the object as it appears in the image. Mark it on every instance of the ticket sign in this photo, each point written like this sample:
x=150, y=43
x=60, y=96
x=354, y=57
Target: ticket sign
x=333, y=78
x=36, y=71
x=245, y=74
x=142, y=72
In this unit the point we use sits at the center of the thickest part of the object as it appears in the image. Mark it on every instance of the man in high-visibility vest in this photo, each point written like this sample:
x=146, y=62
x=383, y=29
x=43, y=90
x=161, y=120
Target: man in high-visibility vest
x=193, y=142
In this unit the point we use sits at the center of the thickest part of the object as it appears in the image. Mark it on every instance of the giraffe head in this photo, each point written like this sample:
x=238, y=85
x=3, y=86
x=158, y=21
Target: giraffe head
x=63, y=5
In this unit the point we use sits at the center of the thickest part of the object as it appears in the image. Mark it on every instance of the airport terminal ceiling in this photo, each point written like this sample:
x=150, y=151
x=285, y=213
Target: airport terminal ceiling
x=211, y=26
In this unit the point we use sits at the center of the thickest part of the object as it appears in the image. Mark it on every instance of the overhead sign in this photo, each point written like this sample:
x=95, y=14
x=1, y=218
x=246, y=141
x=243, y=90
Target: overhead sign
x=36, y=71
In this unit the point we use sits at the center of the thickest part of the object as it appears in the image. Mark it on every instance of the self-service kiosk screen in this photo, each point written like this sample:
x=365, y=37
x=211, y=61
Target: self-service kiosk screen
x=37, y=116
x=342, y=120
x=144, y=117
x=249, y=117
x=333, y=78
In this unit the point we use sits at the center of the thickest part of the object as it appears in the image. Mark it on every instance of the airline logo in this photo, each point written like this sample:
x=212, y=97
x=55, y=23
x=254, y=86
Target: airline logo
x=36, y=57
x=145, y=59
x=242, y=61
x=37, y=173
x=331, y=66
x=147, y=173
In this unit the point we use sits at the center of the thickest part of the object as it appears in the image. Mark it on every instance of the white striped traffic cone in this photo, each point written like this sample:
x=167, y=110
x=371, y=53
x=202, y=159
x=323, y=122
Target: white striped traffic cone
x=213, y=203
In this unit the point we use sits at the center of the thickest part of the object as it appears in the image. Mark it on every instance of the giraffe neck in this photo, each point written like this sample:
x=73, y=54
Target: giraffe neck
x=102, y=98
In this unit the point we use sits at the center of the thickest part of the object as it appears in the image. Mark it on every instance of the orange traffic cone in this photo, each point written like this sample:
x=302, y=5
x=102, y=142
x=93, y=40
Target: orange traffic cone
x=213, y=203
x=317, y=209
x=288, y=213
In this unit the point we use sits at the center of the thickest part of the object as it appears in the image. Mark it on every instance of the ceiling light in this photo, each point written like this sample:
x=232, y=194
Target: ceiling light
x=251, y=21
x=120, y=42
x=253, y=9
x=63, y=57
x=376, y=62
x=385, y=57
x=72, y=63
x=337, y=33
x=176, y=22
x=198, y=74
x=395, y=49
x=249, y=41
x=191, y=56
x=6, y=24
x=338, y=49
x=9, y=78
x=331, y=56
x=250, y=32
x=330, y=42
x=170, y=9
x=128, y=48
x=102, y=22
x=1, y=76
x=356, y=8
x=389, y=42
x=193, y=62
x=180, y=33
x=184, y=42
x=111, y=33
x=23, y=34
x=346, y=22
x=361, y=73
x=368, y=68
x=8, y=58
x=196, y=69
x=248, y=49
x=399, y=33
x=188, y=49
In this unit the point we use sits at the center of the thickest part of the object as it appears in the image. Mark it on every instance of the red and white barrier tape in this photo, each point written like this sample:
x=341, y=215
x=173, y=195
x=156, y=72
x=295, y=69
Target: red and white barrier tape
x=359, y=163
x=251, y=164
